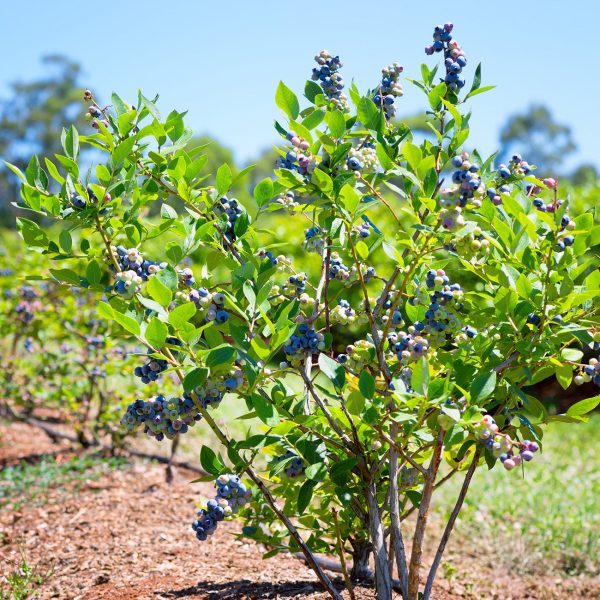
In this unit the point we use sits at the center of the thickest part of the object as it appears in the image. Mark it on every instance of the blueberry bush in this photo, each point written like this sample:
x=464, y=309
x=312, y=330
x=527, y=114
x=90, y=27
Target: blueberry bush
x=61, y=362
x=392, y=354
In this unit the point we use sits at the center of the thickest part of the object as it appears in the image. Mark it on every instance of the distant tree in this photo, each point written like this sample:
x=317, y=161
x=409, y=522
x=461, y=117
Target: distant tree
x=216, y=152
x=538, y=138
x=31, y=120
x=585, y=175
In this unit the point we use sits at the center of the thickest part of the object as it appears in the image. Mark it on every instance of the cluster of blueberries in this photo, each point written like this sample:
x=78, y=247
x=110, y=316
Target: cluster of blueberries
x=363, y=230
x=186, y=276
x=230, y=207
x=408, y=347
x=389, y=89
x=299, y=158
x=211, y=393
x=471, y=245
x=313, y=240
x=231, y=495
x=440, y=323
x=502, y=446
x=337, y=269
x=134, y=269
x=153, y=367
x=29, y=303
x=517, y=166
x=357, y=355
x=343, y=313
x=294, y=464
x=455, y=59
x=268, y=255
x=590, y=372
x=467, y=176
x=287, y=200
x=327, y=74
x=297, y=283
x=211, y=304
x=306, y=342
x=161, y=417
x=79, y=202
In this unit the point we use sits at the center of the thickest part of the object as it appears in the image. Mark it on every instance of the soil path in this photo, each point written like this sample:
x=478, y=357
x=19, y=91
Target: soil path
x=126, y=535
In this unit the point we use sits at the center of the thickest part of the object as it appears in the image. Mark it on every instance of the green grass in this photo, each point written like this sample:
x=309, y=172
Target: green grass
x=22, y=582
x=28, y=483
x=547, y=520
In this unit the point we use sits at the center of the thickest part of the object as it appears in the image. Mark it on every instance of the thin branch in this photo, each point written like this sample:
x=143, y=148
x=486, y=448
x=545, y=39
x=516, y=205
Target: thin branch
x=324, y=409
x=342, y=556
x=417, y=546
x=397, y=541
x=450, y=525
x=383, y=581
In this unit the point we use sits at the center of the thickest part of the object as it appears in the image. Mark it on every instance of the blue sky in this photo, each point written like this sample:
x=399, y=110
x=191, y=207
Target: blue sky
x=222, y=60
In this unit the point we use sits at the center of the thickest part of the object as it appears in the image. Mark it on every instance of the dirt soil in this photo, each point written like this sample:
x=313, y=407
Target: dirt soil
x=126, y=535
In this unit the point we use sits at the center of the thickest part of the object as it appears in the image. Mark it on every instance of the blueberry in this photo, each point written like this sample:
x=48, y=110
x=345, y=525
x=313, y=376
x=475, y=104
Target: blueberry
x=221, y=316
x=533, y=319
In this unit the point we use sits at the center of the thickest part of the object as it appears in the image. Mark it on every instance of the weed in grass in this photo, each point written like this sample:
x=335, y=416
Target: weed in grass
x=22, y=582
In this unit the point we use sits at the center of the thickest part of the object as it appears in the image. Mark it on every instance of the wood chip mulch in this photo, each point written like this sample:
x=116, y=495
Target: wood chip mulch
x=127, y=536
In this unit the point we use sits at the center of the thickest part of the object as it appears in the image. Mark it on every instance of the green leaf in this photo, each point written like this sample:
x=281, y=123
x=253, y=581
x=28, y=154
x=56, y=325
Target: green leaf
x=337, y=123
x=368, y=113
x=263, y=192
x=583, y=407
x=286, y=100
x=265, y=410
x=571, y=354
x=412, y=154
x=220, y=356
x=223, y=179
x=420, y=376
x=70, y=142
x=322, y=181
x=159, y=291
x=150, y=106
x=65, y=240
x=123, y=150
x=483, y=386
x=311, y=90
x=349, y=197
x=481, y=90
x=195, y=378
x=106, y=311
x=476, y=80
x=362, y=250
x=355, y=403
x=332, y=370
x=156, y=333
x=31, y=233
x=182, y=314
x=385, y=161
x=436, y=94
x=305, y=495
x=93, y=272
x=127, y=323
x=564, y=375
x=66, y=275
x=118, y=104
x=210, y=462
x=315, y=118
x=168, y=276
x=366, y=384
x=317, y=471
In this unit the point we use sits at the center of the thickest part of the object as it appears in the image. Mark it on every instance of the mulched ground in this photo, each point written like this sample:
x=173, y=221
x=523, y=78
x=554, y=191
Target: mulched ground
x=126, y=535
